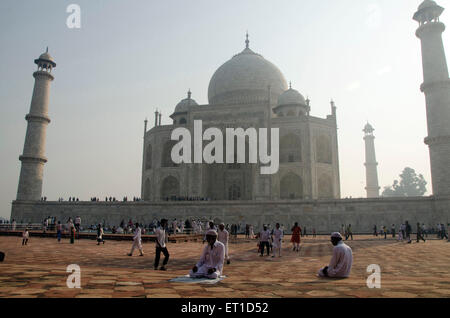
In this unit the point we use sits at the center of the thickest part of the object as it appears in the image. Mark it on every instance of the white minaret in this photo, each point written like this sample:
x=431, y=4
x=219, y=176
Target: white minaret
x=372, y=188
x=33, y=159
x=436, y=87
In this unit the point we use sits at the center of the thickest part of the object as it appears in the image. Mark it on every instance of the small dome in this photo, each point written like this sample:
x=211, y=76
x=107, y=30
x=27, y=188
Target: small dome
x=183, y=105
x=368, y=128
x=46, y=57
x=427, y=4
x=291, y=97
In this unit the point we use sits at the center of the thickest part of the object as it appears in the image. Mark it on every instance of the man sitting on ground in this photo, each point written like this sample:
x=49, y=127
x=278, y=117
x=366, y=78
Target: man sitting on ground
x=341, y=262
x=211, y=261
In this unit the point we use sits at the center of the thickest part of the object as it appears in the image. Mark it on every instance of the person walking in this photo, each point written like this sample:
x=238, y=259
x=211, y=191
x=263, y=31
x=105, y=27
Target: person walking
x=419, y=233
x=375, y=232
x=59, y=231
x=137, y=241
x=100, y=234
x=277, y=237
x=264, y=237
x=349, y=232
x=222, y=236
x=385, y=232
x=444, y=233
x=161, y=240
x=295, y=238
x=393, y=230
x=25, y=236
x=408, y=231
x=252, y=233
x=72, y=232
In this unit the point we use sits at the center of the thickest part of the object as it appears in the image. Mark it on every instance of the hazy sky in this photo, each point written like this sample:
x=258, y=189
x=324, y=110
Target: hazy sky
x=130, y=57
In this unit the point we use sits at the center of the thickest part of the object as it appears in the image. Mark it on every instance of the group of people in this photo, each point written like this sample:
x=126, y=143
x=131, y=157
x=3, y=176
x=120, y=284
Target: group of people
x=347, y=231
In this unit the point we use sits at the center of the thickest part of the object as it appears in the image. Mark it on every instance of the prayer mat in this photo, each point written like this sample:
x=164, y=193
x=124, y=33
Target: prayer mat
x=190, y=280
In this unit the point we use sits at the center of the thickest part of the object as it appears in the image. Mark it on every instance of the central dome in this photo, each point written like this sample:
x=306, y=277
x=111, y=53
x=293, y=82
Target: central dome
x=245, y=79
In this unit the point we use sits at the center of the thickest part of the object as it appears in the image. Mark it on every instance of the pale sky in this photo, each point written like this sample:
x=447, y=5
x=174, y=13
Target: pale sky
x=131, y=57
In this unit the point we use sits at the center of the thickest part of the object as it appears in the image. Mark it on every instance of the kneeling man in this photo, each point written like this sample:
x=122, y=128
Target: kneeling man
x=341, y=262
x=211, y=261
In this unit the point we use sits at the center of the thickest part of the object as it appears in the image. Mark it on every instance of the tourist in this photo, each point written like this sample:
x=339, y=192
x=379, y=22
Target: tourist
x=45, y=225
x=385, y=231
x=314, y=232
x=100, y=234
x=247, y=231
x=304, y=231
x=25, y=236
x=211, y=227
x=161, y=239
x=252, y=233
x=393, y=230
x=211, y=261
x=264, y=237
x=341, y=261
x=174, y=226
x=419, y=233
x=342, y=230
x=223, y=236
x=295, y=238
x=277, y=236
x=72, y=232
x=403, y=230
x=400, y=234
x=137, y=241
x=424, y=230
x=444, y=234
x=408, y=231
x=349, y=232
x=13, y=225
x=59, y=231
x=77, y=223
x=375, y=233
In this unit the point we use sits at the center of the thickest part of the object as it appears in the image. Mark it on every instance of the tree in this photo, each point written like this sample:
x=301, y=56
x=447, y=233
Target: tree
x=410, y=185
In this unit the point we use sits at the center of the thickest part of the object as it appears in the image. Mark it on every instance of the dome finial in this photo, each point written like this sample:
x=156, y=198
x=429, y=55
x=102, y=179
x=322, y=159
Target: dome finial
x=290, y=85
x=46, y=51
x=189, y=93
x=246, y=40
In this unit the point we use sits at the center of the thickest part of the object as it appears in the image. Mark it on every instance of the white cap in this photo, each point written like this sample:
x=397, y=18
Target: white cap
x=336, y=235
x=211, y=232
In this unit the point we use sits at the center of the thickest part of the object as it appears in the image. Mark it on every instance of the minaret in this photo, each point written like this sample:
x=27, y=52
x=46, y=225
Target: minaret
x=372, y=188
x=436, y=87
x=33, y=159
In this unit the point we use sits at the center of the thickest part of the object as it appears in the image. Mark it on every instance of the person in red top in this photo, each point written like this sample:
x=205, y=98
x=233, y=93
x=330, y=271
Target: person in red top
x=295, y=239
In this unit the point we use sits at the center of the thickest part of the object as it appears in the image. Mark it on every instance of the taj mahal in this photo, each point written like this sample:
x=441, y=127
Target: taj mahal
x=248, y=91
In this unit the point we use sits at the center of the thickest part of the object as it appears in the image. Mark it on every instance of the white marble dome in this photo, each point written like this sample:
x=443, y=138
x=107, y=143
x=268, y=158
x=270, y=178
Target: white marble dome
x=245, y=79
x=183, y=105
x=427, y=4
x=291, y=97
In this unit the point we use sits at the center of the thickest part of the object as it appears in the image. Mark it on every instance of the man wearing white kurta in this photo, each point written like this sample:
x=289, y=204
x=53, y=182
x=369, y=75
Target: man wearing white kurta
x=137, y=242
x=341, y=262
x=277, y=236
x=211, y=262
x=222, y=236
x=161, y=240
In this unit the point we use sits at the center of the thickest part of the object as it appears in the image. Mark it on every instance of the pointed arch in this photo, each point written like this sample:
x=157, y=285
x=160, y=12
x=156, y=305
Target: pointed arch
x=325, y=187
x=170, y=187
x=290, y=149
x=323, y=149
x=291, y=187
